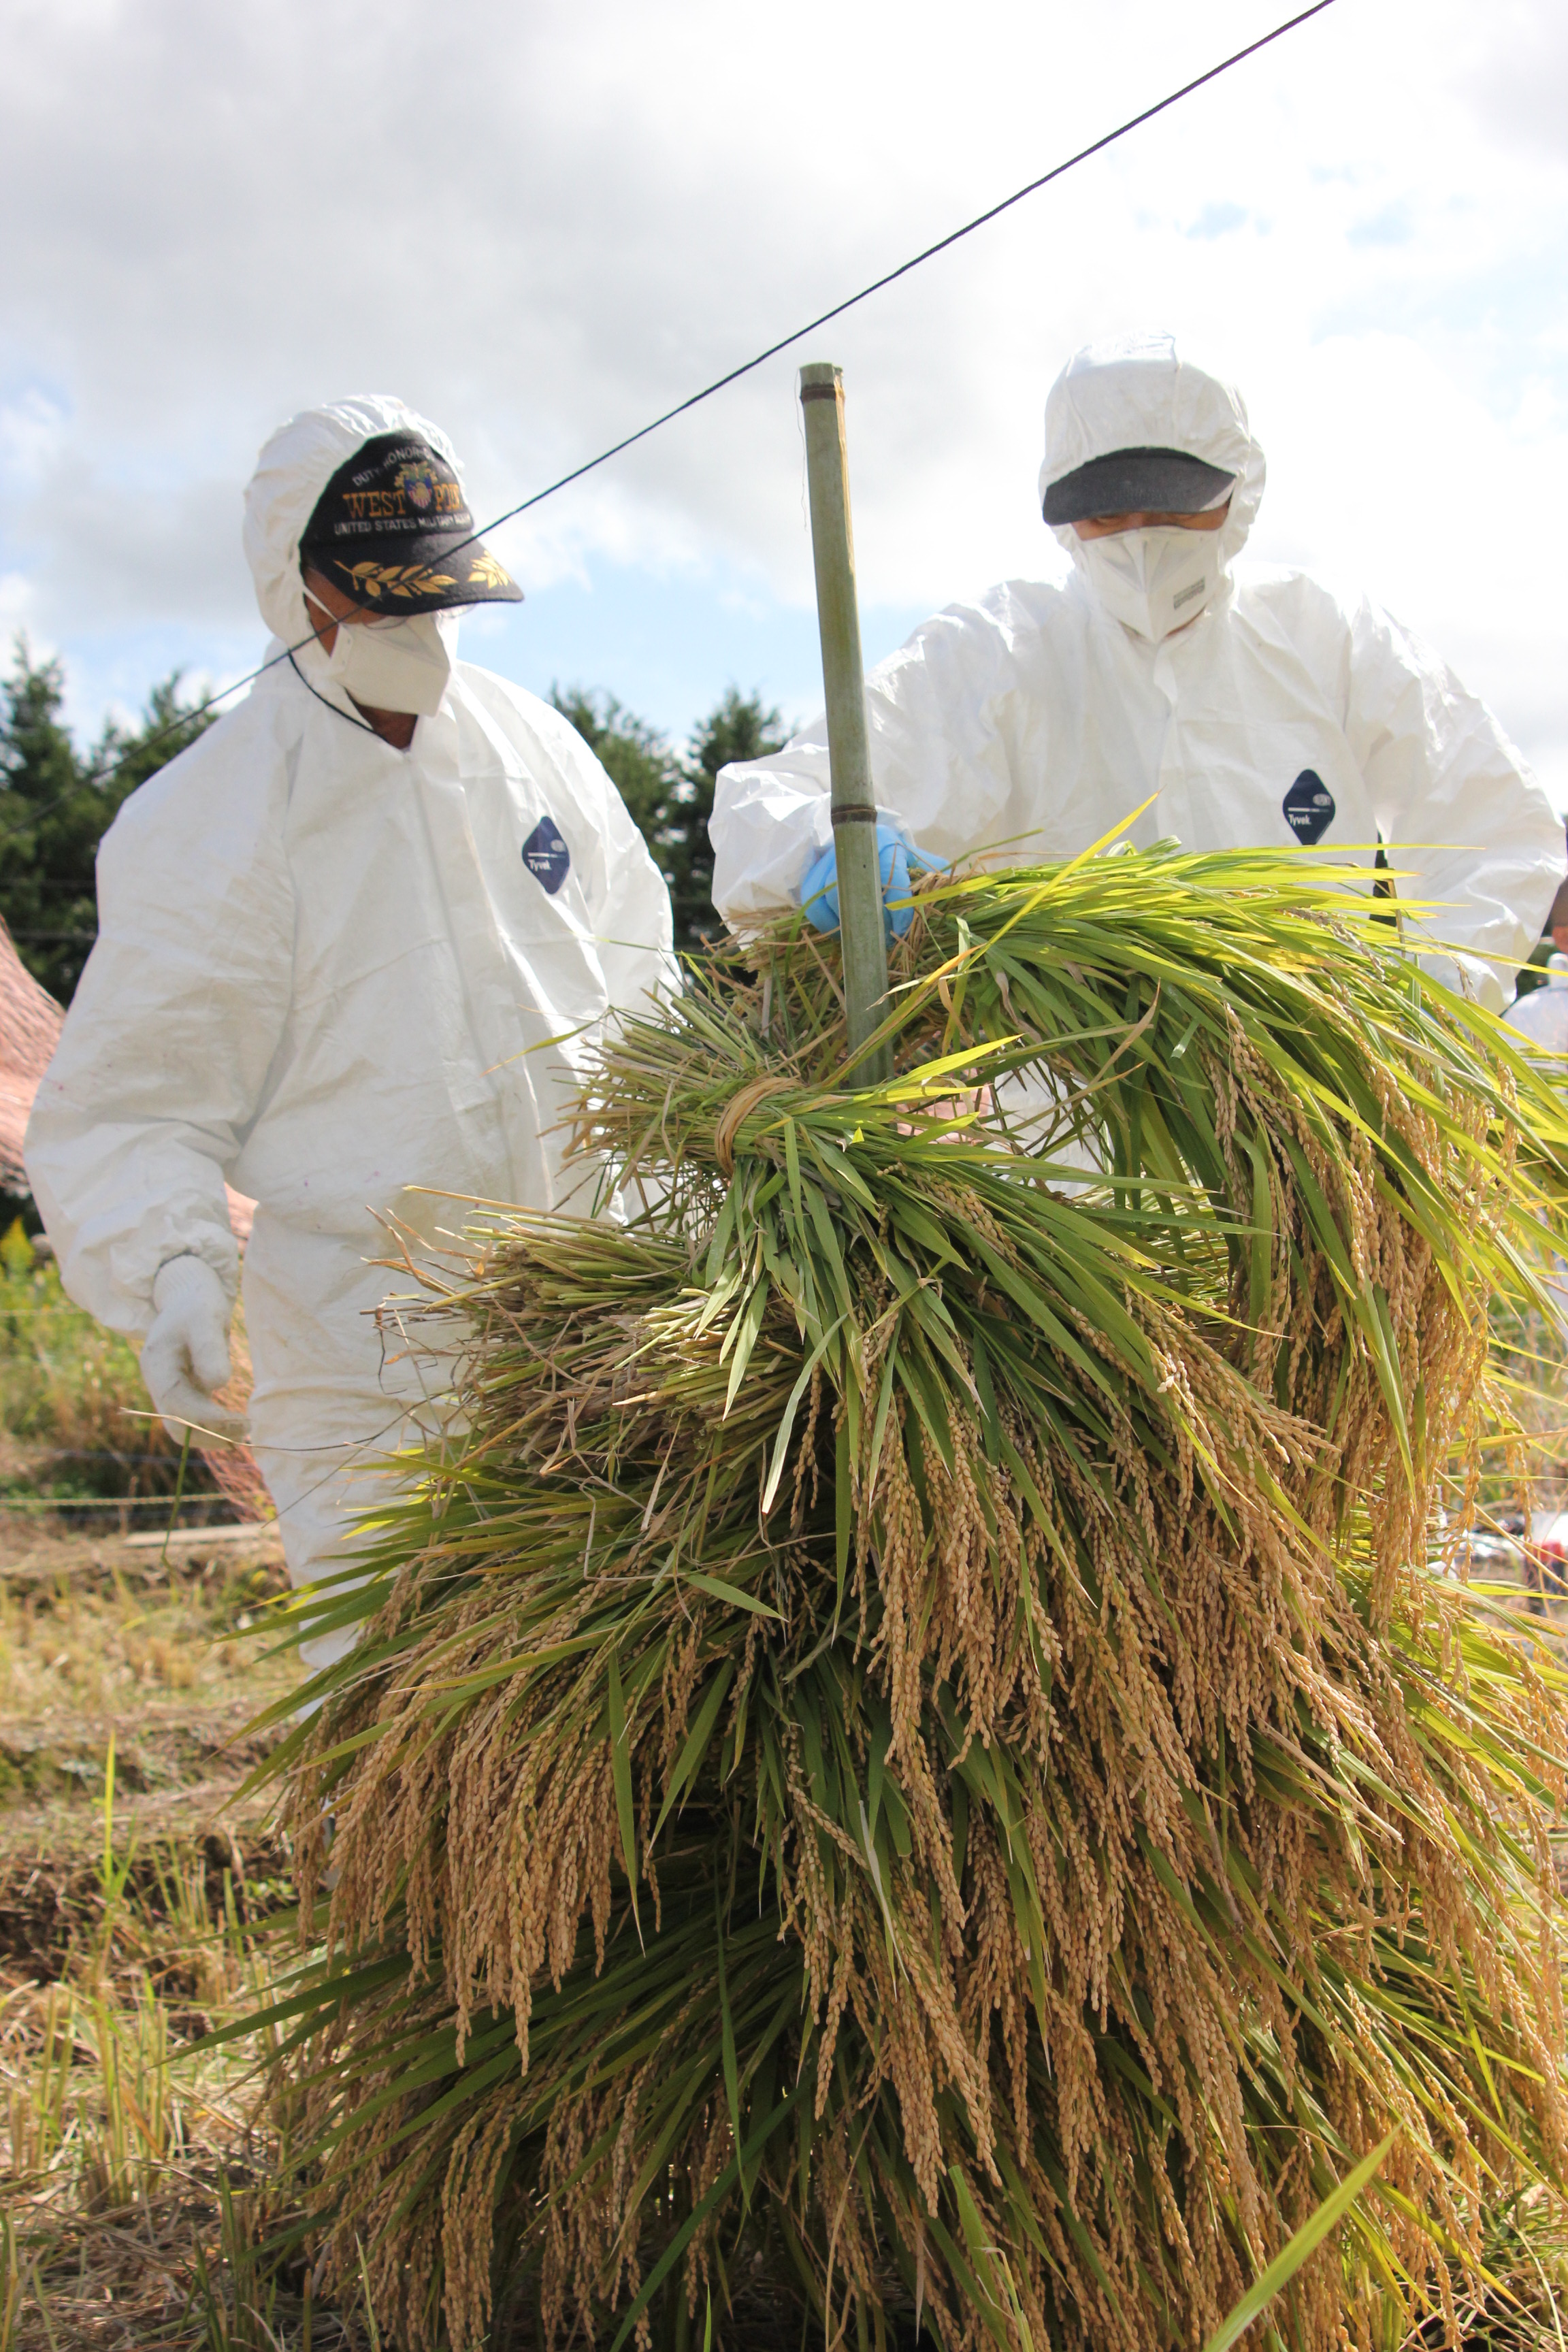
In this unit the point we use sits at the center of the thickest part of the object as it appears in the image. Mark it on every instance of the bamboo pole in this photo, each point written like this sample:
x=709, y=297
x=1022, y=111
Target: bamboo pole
x=860, y=918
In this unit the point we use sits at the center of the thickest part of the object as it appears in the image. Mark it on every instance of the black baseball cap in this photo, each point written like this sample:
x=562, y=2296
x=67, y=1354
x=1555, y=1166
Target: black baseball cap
x=1137, y=481
x=393, y=530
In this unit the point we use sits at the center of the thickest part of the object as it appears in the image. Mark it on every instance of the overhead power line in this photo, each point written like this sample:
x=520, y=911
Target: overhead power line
x=747, y=367
x=891, y=277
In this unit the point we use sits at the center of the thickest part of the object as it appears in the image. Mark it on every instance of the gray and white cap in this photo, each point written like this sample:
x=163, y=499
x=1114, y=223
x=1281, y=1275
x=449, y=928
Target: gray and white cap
x=1131, y=427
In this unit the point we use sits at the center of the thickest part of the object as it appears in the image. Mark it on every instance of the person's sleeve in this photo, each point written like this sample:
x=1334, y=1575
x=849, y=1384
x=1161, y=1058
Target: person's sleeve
x=770, y=821
x=167, y=1046
x=1466, y=826
x=937, y=766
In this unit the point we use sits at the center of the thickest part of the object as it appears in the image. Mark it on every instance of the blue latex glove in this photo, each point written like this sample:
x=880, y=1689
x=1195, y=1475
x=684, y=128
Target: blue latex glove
x=896, y=858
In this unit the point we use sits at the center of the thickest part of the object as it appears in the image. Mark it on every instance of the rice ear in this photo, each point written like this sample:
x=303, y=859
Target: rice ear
x=1001, y=1600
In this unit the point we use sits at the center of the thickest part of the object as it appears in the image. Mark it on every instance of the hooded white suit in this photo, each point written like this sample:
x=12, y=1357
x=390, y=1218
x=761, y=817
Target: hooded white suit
x=1030, y=724
x=326, y=971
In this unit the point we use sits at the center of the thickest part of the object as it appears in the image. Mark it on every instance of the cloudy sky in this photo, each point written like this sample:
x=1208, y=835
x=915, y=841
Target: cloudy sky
x=542, y=222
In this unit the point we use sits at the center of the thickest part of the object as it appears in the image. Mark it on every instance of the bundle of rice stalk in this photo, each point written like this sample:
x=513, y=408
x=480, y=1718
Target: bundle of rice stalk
x=911, y=1759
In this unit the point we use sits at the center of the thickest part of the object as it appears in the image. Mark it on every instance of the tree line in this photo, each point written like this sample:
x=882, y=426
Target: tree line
x=58, y=801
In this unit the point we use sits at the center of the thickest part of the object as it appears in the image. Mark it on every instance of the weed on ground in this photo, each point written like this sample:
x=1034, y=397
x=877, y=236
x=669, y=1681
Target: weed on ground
x=144, y=1904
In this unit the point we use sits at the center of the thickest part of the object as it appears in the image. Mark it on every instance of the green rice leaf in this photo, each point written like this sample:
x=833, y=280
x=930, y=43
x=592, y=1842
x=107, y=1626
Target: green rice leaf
x=1306, y=2240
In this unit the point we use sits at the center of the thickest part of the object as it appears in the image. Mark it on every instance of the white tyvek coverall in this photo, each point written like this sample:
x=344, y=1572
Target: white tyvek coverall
x=1031, y=723
x=321, y=965
x=1541, y=1016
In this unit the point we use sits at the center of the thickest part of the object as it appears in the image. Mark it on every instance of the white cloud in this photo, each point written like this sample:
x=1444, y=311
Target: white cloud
x=543, y=226
x=15, y=597
x=1519, y=77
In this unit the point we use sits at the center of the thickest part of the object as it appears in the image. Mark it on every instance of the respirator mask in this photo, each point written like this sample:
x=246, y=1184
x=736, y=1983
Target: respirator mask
x=387, y=665
x=1156, y=579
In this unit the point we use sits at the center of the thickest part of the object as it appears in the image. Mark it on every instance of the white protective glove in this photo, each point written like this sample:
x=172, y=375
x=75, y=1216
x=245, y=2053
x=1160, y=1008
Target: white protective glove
x=185, y=1356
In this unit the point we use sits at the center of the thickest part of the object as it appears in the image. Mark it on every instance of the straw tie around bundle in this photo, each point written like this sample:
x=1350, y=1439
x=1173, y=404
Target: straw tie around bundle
x=735, y=1113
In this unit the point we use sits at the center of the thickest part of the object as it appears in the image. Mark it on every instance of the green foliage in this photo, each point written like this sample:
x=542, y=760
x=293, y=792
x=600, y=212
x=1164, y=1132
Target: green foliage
x=71, y=1391
x=56, y=806
x=669, y=798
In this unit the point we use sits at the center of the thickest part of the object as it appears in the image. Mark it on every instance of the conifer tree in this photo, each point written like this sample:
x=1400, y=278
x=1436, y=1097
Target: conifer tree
x=670, y=799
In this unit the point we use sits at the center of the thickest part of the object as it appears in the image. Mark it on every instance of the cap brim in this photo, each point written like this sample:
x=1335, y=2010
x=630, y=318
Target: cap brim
x=426, y=576
x=1136, y=481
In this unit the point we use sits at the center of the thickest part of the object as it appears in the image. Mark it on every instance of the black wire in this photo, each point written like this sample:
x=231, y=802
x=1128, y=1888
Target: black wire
x=721, y=383
x=892, y=276
x=364, y=724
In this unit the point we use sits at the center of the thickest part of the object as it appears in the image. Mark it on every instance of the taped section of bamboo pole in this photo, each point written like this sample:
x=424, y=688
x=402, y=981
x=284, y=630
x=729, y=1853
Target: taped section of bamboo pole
x=860, y=918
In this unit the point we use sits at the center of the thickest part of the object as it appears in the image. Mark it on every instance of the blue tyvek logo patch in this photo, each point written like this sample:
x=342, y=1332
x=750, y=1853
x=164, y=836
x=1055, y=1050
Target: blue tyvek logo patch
x=1308, y=807
x=546, y=855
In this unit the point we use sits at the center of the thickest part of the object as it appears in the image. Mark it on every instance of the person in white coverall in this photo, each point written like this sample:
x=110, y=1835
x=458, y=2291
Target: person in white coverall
x=1542, y=1017
x=353, y=942
x=1251, y=709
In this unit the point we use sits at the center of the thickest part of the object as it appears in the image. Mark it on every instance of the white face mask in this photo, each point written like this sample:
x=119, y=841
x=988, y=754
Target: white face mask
x=389, y=665
x=1156, y=579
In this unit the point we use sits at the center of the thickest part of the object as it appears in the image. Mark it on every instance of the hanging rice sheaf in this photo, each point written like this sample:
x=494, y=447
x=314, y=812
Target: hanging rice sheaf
x=916, y=1764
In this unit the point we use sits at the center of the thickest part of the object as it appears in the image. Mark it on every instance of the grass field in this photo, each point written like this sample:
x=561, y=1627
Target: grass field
x=142, y=1902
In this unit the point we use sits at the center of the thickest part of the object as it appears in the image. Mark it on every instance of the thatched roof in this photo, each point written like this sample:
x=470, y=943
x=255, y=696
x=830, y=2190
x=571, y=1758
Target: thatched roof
x=30, y=1023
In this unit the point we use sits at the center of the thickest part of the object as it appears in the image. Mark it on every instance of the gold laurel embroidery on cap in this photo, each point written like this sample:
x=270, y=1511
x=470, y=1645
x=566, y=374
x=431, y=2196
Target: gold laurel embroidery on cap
x=485, y=570
x=396, y=578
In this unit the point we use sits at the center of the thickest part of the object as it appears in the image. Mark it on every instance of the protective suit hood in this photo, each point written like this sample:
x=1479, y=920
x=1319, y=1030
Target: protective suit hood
x=292, y=470
x=1139, y=393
